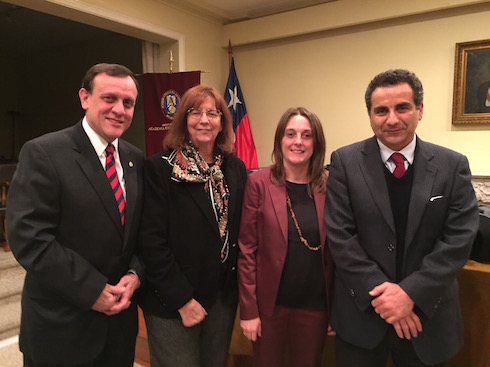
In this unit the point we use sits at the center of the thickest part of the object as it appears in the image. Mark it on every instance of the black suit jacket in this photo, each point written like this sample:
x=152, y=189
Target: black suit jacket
x=442, y=223
x=179, y=241
x=65, y=230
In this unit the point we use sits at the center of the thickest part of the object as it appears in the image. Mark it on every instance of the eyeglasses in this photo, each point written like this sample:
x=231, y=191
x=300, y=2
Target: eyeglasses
x=196, y=113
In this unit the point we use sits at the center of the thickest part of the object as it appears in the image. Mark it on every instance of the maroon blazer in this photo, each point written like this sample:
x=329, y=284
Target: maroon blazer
x=263, y=242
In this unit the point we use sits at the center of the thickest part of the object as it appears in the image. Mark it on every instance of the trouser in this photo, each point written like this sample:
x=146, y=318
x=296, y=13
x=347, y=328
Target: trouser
x=297, y=334
x=401, y=351
x=204, y=345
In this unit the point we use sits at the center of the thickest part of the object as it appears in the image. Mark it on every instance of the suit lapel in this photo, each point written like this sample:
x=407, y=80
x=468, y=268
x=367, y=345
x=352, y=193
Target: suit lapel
x=423, y=180
x=278, y=197
x=90, y=165
x=131, y=182
x=202, y=200
x=372, y=171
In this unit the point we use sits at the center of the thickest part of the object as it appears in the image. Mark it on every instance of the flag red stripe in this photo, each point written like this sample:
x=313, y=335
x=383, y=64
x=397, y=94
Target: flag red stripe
x=244, y=143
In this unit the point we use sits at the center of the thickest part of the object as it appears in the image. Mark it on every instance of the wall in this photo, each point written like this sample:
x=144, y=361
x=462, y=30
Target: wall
x=48, y=99
x=295, y=59
x=321, y=57
x=159, y=22
x=46, y=85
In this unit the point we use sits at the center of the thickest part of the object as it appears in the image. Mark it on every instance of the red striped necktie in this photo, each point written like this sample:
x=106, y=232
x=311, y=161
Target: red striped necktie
x=110, y=170
x=399, y=161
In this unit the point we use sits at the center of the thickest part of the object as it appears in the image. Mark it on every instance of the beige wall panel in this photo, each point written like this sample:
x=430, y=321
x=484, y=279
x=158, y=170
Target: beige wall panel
x=329, y=74
x=322, y=58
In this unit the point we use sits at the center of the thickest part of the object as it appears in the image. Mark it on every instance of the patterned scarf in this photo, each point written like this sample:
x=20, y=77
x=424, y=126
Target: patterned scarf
x=189, y=166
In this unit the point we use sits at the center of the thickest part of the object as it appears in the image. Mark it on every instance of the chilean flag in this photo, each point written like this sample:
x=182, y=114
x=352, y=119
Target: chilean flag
x=244, y=141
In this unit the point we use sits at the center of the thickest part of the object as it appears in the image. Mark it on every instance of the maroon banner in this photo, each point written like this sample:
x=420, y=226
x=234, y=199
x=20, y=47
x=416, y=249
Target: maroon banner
x=161, y=96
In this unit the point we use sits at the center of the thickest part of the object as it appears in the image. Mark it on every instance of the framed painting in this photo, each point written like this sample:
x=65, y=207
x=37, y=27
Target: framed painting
x=471, y=98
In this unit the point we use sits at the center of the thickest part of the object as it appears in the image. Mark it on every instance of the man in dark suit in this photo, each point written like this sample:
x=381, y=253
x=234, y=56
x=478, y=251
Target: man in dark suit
x=75, y=241
x=399, y=234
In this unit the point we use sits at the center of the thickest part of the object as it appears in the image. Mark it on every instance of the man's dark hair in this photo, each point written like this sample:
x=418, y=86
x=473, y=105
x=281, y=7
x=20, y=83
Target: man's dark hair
x=394, y=77
x=109, y=69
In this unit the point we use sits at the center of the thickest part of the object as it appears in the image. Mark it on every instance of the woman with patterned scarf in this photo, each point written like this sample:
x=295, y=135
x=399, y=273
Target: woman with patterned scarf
x=189, y=230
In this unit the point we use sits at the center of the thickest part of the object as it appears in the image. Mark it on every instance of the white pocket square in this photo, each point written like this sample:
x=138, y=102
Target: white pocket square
x=434, y=198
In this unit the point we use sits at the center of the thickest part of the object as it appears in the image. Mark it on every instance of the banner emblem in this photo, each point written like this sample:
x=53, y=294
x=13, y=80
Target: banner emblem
x=169, y=102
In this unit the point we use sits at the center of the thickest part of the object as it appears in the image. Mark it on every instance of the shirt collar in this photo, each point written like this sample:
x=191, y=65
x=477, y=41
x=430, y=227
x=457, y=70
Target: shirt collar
x=98, y=142
x=408, y=152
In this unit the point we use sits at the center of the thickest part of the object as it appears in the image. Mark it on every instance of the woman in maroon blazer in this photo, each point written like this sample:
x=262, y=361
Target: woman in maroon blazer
x=284, y=269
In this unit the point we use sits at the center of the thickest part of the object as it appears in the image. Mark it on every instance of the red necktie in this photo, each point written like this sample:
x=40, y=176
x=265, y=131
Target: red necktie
x=399, y=161
x=110, y=170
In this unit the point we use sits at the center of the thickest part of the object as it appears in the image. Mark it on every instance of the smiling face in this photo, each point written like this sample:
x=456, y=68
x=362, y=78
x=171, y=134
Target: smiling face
x=394, y=116
x=203, y=130
x=109, y=108
x=297, y=142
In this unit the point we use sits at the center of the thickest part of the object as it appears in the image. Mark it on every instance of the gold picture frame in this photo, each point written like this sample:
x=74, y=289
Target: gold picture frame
x=471, y=99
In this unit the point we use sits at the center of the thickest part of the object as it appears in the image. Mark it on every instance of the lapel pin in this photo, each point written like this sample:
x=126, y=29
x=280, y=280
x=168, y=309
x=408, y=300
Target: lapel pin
x=131, y=164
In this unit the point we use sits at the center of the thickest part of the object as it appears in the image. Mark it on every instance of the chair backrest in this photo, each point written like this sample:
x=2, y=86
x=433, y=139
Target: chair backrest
x=481, y=246
x=7, y=171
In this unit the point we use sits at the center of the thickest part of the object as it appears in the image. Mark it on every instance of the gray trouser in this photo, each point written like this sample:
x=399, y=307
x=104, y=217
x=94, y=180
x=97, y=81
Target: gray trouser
x=204, y=345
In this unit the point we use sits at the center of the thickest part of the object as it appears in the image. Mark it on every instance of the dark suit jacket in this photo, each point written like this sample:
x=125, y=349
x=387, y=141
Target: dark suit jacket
x=179, y=239
x=263, y=244
x=65, y=230
x=442, y=223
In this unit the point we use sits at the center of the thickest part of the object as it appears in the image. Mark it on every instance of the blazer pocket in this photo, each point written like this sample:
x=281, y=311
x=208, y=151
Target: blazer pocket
x=437, y=197
x=436, y=204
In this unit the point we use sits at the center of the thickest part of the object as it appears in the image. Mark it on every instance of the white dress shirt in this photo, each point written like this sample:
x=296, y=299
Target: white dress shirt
x=100, y=145
x=408, y=152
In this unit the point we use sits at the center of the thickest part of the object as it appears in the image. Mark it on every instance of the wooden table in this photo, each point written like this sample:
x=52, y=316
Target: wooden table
x=474, y=294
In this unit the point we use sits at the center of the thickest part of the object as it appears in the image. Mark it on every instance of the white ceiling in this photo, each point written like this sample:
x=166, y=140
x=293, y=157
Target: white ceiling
x=230, y=11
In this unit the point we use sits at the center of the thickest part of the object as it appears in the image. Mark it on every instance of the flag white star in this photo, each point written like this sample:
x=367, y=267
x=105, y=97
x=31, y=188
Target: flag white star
x=233, y=98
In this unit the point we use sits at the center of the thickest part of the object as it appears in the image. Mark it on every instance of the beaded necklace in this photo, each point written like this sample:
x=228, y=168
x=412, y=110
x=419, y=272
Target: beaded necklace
x=305, y=242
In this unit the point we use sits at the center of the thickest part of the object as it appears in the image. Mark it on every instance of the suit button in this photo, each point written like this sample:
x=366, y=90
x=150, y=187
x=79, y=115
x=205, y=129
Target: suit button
x=391, y=247
x=233, y=268
x=352, y=293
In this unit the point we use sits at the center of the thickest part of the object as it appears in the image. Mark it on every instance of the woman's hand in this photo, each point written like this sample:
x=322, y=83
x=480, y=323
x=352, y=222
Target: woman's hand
x=192, y=313
x=251, y=328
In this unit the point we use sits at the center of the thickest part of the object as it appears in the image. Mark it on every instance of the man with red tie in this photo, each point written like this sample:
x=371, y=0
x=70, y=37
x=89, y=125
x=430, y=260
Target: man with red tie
x=401, y=216
x=73, y=213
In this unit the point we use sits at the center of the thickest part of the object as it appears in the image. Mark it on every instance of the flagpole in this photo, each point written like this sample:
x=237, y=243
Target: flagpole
x=230, y=54
x=171, y=62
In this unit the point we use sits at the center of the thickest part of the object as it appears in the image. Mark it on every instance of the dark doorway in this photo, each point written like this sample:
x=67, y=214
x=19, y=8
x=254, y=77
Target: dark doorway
x=43, y=59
